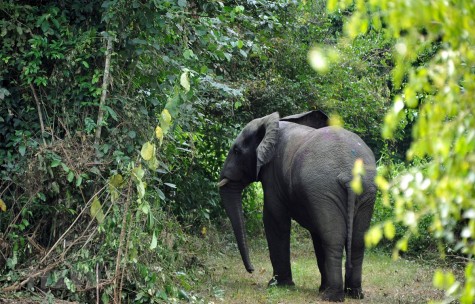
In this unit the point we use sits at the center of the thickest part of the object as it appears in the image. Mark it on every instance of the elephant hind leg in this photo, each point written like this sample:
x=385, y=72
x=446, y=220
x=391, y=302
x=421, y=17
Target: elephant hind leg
x=333, y=289
x=320, y=254
x=353, y=277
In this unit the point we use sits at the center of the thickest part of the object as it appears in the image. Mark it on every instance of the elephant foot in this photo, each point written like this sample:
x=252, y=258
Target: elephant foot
x=355, y=293
x=281, y=282
x=332, y=295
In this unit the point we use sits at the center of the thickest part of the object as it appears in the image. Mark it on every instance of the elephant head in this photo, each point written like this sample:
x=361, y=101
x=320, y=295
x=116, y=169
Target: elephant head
x=253, y=148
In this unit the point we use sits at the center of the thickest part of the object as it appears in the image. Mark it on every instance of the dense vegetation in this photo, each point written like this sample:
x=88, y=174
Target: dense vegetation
x=116, y=117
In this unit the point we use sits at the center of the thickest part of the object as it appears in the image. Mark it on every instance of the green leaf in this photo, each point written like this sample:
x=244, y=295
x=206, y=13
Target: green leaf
x=154, y=242
x=96, y=210
x=70, y=176
x=184, y=81
x=132, y=134
x=138, y=173
x=22, y=150
x=65, y=168
x=161, y=195
x=78, y=181
x=112, y=113
x=145, y=207
x=141, y=189
x=55, y=163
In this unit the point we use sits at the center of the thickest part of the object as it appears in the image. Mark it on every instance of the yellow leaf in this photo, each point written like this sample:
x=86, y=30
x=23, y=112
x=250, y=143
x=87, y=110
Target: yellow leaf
x=389, y=230
x=382, y=183
x=373, y=236
x=335, y=120
x=402, y=244
x=358, y=168
x=438, y=280
x=138, y=173
x=96, y=210
x=331, y=5
x=165, y=120
x=148, y=151
x=203, y=231
x=159, y=134
x=153, y=163
x=356, y=185
x=358, y=171
x=3, y=206
x=166, y=117
x=116, y=180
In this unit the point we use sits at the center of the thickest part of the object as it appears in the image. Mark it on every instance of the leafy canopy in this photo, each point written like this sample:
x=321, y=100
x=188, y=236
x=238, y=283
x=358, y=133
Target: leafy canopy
x=441, y=89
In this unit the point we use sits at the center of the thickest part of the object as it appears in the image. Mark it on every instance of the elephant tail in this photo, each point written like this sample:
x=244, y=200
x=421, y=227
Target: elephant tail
x=349, y=237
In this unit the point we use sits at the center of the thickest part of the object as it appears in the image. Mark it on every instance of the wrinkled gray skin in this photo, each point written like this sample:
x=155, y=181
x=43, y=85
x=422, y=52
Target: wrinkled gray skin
x=305, y=168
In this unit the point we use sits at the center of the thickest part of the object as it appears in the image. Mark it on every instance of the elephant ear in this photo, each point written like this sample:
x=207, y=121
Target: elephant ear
x=315, y=119
x=266, y=149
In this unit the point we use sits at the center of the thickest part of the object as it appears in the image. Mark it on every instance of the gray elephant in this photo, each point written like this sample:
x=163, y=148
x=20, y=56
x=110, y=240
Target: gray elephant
x=305, y=167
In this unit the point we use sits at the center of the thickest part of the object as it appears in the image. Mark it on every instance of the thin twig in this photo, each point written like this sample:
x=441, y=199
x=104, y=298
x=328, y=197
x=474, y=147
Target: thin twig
x=97, y=283
x=72, y=225
x=40, y=115
x=117, y=290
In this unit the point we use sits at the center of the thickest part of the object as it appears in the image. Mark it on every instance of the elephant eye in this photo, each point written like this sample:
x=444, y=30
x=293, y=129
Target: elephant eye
x=236, y=151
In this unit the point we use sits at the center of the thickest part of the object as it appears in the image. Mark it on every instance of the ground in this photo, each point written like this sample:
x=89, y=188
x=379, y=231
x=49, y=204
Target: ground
x=384, y=280
x=220, y=277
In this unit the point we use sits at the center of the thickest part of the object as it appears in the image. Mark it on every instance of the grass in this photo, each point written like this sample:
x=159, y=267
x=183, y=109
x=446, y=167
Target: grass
x=384, y=280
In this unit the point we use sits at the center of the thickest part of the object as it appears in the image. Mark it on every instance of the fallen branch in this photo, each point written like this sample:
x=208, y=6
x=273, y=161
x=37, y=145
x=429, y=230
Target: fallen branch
x=17, y=286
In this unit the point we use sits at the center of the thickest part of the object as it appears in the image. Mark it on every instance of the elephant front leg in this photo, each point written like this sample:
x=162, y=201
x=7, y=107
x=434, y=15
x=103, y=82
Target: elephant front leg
x=277, y=228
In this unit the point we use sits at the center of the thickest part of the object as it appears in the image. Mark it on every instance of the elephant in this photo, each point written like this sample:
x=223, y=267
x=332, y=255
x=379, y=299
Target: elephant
x=305, y=167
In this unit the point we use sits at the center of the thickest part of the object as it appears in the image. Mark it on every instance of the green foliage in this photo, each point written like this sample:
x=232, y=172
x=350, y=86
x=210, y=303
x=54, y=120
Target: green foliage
x=441, y=88
x=163, y=136
x=185, y=76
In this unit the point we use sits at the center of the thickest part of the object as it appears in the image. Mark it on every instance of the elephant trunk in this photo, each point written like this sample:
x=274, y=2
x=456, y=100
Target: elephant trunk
x=232, y=200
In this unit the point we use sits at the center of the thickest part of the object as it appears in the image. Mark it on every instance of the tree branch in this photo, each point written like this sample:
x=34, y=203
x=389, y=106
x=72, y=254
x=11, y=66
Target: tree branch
x=105, y=84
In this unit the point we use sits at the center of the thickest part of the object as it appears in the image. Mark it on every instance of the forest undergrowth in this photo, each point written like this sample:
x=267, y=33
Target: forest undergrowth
x=213, y=273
